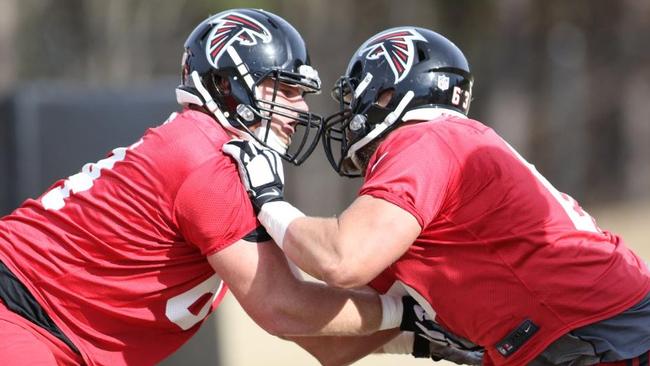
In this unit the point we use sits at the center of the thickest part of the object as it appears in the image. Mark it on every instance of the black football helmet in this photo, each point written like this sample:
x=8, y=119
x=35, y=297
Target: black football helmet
x=390, y=78
x=226, y=59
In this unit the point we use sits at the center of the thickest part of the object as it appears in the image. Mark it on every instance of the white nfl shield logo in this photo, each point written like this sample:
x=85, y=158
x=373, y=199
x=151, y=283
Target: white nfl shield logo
x=443, y=82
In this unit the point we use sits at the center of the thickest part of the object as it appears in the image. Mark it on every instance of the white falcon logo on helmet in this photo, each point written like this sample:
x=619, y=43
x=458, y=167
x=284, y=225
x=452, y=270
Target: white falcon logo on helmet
x=230, y=28
x=396, y=45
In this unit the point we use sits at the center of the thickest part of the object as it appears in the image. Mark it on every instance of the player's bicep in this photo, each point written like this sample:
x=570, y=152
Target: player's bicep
x=212, y=209
x=376, y=233
x=245, y=265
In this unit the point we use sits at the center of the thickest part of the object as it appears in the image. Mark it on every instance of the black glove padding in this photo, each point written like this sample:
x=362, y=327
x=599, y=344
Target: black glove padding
x=412, y=314
x=433, y=340
x=260, y=170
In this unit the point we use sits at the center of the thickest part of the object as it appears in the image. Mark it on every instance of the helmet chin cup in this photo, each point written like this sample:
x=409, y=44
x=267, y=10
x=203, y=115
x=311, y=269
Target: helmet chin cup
x=358, y=122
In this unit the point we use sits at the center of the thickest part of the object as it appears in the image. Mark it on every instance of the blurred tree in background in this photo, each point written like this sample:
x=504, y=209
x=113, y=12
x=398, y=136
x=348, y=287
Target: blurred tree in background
x=566, y=82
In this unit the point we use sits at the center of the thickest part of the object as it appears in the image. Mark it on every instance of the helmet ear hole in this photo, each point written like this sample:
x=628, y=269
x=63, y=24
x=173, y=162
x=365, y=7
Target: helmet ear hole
x=218, y=85
x=222, y=84
x=385, y=97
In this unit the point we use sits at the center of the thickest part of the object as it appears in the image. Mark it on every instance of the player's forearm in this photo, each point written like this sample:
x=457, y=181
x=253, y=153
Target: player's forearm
x=313, y=309
x=309, y=242
x=313, y=244
x=336, y=351
x=318, y=246
x=260, y=279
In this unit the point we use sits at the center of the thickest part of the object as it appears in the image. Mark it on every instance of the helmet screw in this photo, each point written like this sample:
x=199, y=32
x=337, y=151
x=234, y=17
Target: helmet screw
x=245, y=112
x=358, y=122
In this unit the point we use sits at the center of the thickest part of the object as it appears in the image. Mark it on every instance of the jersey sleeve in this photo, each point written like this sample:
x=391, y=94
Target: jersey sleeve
x=383, y=282
x=412, y=171
x=212, y=208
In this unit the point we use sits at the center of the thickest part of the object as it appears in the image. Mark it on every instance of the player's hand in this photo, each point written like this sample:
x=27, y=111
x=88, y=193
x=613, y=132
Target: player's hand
x=432, y=340
x=260, y=170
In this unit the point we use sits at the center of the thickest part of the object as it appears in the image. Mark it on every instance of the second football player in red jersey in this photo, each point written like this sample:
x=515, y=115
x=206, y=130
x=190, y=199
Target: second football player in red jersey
x=451, y=214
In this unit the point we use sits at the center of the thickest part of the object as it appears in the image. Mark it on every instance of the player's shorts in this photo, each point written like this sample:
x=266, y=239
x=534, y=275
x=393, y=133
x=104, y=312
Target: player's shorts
x=625, y=336
x=25, y=343
x=643, y=360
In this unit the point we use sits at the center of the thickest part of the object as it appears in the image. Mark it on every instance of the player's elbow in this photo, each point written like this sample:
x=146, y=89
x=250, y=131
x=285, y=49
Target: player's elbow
x=272, y=321
x=279, y=317
x=276, y=328
x=282, y=324
x=345, y=281
x=344, y=274
x=344, y=267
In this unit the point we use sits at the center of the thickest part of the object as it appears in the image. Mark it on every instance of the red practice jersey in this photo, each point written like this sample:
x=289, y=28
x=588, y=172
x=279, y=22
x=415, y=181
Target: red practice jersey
x=504, y=259
x=116, y=254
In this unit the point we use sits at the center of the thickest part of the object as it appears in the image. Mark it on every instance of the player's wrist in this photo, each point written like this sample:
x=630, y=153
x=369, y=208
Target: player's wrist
x=276, y=216
x=270, y=193
x=392, y=311
x=400, y=345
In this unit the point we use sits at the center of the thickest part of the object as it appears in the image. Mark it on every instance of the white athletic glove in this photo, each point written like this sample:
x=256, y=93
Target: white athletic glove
x=432, y=340
x=260, y=170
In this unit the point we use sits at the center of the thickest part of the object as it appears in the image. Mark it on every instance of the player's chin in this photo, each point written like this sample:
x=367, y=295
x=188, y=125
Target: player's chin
x=285, y=135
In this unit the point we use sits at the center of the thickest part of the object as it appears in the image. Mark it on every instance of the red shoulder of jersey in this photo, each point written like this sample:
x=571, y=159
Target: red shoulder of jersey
x=212, y=208
x=412, y=169
x=206, y=200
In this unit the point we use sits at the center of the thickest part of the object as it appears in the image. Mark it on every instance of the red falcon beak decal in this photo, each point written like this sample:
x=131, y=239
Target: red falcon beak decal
x=233, y=28
x=396, y=46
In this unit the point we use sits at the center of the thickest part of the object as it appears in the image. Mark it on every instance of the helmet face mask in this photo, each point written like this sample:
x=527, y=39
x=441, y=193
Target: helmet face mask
x=393, y=73
x=229, y=58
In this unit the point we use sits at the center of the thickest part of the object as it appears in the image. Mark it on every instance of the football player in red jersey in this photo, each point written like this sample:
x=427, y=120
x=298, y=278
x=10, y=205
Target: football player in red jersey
x=120, y=263
x=451, y=214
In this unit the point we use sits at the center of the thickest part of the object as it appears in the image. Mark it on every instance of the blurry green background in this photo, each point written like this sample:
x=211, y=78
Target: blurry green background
x=565, y=82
